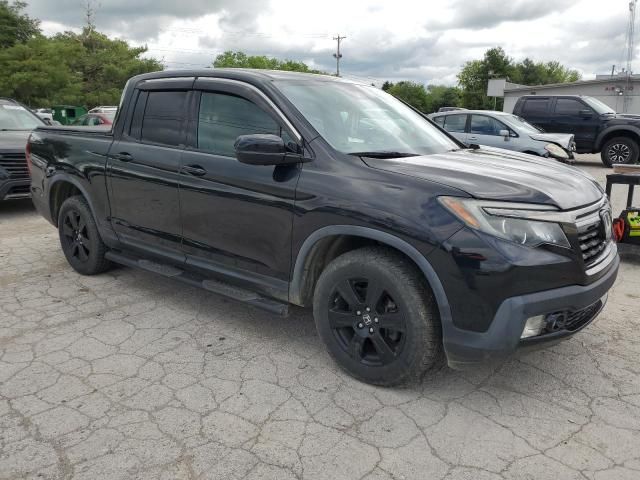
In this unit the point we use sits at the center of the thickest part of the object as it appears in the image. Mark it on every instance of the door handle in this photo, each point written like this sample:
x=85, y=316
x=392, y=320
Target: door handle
x=195, y=170
x=473, y=138
x=122, y=156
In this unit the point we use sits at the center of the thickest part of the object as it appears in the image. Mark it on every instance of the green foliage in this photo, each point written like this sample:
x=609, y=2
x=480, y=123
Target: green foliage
x=231, y=59
x=474, y=76
x=85, y=69
x=426, y=100
x=16, y=26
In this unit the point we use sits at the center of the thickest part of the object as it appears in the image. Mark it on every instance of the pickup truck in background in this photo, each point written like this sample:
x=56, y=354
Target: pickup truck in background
x=597, y=127
x=278, y=188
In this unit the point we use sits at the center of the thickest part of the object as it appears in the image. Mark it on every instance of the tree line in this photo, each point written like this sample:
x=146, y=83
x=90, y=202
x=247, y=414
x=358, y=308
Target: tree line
x=86, y=68
x=90, y=69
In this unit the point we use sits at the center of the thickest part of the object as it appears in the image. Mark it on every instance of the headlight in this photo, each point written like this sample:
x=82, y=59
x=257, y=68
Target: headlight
x=500, y=220
x=556, y=151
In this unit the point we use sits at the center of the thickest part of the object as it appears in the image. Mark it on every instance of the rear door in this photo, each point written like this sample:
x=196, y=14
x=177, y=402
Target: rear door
x=144, y=169
x=571, y=115
x=237, y=218
x=537, y=110
x=456, y=125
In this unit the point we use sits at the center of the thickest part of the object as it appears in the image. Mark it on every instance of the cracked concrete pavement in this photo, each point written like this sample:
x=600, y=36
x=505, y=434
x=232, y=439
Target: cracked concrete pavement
x=128, y=375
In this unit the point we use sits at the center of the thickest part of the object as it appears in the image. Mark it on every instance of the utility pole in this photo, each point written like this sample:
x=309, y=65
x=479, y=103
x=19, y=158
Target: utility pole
x=630, y=47
x=338, y=55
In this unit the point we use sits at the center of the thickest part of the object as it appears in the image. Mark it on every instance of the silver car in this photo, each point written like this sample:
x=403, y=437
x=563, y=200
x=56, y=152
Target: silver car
x=504, y=130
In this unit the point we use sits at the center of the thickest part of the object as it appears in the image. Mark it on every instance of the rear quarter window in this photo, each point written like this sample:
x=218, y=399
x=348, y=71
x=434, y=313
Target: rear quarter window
x=455, y=123
x=163, y=117
x=535, y=106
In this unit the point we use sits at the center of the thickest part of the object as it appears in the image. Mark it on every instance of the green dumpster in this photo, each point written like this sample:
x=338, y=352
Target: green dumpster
x=67, y=114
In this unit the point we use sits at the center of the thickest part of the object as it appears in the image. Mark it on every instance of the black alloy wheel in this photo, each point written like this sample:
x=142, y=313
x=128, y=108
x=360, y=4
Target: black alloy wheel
x=74, y=231
x=80, y=239
x=376, y=315
x=367, y=322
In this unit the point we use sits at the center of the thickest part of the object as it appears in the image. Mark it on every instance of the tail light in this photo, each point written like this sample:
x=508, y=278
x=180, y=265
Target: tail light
x=27, y=154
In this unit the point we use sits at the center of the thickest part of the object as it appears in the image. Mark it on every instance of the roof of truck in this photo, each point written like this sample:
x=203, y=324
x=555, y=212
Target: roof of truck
x=247, y=74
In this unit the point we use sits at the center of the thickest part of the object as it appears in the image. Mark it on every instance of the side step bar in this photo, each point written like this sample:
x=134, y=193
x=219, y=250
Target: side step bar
x=210, y=284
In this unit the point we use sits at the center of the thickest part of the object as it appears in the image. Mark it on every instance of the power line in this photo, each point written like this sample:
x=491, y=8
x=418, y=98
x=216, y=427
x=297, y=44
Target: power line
x=338, y=55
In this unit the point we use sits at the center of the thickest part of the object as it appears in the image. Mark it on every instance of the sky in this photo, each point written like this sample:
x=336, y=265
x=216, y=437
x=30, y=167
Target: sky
x=427, y=41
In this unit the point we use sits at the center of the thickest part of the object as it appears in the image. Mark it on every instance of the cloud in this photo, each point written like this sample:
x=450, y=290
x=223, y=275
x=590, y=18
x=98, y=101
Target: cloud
x=144, y=19
x=426, y=42
x=490, y=13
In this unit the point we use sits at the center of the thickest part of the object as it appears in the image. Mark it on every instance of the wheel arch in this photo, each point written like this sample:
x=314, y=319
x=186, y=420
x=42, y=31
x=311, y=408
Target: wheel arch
x=618, y=131
x=61, y=188
x=319, y=243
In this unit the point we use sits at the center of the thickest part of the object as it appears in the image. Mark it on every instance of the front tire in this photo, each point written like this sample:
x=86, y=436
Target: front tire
x=622, y=150
x=80, y=239
x=377, y=317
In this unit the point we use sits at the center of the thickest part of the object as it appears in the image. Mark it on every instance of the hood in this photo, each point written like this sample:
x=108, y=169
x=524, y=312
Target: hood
x=14, y=140
x=565, y=140
x=495, y=174
x=626, y=116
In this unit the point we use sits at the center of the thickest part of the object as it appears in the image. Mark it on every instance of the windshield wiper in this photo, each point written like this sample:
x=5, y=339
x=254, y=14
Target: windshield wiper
x=384, y=154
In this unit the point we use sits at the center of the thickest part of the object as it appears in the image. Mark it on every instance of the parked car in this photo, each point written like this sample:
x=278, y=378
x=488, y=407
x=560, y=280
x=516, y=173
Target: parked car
x=104, y=109
x=45, y=114
x=450, y=109
x=596, y=126
x=267, y=188
x=16, y=122
x=95, y=119
x=503, y=130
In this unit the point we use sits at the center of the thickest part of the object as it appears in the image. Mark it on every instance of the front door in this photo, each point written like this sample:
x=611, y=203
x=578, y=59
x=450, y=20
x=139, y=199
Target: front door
x=485, y=130
x=144, y=172
x=237, y=218
x=576, y=117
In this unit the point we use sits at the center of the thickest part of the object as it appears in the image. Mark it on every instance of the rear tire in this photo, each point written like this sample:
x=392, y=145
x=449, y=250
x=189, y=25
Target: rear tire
x=80, y=239
x=394, y=342
x=622, y=150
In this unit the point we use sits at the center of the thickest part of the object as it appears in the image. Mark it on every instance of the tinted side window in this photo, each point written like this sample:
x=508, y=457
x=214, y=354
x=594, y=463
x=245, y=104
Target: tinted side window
x=455, y=123
x=567, y=106
x=535, y=106
x=224, y=117
x=163, y=117
x=439, y=121
x=483, y=125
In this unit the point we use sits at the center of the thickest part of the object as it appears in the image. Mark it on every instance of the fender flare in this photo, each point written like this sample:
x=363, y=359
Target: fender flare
x=64, y=177
x=613, y=129
x=295, y=288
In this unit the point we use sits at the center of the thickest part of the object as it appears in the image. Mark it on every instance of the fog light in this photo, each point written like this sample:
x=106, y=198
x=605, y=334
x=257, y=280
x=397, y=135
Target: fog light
x=534, y=326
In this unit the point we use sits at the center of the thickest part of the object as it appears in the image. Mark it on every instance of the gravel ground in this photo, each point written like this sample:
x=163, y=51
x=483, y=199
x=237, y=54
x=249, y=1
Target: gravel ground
x=130, y=375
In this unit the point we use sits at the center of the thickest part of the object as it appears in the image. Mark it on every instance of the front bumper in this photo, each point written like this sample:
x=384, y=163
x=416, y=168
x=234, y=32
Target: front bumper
x=13, y=189
x=464, y=347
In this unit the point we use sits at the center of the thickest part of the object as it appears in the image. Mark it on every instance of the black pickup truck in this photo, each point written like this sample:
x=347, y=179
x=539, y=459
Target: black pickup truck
x=278, y=188
x=596, y=126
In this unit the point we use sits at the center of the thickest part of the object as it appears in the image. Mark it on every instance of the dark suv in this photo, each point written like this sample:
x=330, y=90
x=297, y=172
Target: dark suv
x=278, y=188
x=16, y=122
x=597, y=127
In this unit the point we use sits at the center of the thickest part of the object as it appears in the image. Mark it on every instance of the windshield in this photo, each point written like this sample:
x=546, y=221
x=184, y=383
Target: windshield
x=521, y=124
x=360, y=119
x=16, y=117
x=601, y=108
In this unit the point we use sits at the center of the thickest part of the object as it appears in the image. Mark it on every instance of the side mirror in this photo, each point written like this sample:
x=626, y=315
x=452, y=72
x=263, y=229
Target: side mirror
x=506, y=134
x=47, y=121
x=264, y=149
x=586, y=113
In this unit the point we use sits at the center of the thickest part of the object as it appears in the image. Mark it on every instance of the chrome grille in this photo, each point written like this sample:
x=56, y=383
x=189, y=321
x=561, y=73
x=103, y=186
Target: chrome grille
x=15, y=164
x=592, y=241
